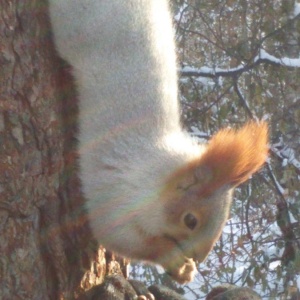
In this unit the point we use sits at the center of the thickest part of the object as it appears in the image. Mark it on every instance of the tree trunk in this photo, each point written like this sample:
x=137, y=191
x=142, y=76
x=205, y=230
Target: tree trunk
x=291, y=49
x=46, y=249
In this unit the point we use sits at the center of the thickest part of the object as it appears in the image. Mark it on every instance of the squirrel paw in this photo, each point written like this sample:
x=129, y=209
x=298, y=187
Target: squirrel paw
x=185, y=273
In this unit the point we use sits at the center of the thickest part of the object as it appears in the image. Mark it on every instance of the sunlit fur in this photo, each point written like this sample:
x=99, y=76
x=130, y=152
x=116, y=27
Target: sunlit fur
x=230, y=157
x=140, y=172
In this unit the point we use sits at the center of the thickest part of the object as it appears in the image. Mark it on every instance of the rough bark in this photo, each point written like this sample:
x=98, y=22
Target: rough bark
x=46, y=250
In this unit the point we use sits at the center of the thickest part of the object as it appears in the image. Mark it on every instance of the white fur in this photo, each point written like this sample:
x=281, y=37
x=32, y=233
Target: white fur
x=123, y=58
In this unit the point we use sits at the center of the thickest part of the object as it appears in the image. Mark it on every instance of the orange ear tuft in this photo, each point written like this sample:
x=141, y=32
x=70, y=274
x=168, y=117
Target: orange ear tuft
x=230, y=158
x=234, y=155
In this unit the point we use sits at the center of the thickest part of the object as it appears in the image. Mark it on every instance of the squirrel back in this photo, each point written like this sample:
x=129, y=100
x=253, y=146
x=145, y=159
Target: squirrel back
x=152, y=193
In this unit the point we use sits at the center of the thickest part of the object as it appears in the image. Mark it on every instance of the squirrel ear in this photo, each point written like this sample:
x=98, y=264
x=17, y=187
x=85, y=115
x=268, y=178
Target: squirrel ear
x=230, y=158
x=234, y=155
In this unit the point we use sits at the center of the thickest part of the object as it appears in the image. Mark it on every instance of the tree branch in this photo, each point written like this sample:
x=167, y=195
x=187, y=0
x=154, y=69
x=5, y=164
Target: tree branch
x=262, y=58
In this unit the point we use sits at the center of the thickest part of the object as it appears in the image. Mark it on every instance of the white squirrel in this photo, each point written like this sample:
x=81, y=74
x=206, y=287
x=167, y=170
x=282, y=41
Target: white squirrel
x=152, y=193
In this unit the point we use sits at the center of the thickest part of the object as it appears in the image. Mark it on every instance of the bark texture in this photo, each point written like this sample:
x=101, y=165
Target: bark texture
x=46, y=250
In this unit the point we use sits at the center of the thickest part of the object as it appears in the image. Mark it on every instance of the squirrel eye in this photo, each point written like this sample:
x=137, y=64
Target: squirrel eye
x=190, y=221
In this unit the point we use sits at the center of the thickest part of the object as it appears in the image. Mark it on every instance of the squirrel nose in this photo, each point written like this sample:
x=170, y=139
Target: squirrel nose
x=197, y=251
x=200, y=253
x=200, y=257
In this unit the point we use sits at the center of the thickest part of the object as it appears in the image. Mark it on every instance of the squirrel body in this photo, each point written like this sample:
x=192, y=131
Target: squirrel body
x=152, y=193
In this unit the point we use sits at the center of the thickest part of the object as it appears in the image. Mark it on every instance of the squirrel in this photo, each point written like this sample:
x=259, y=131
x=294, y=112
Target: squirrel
x=153, y=193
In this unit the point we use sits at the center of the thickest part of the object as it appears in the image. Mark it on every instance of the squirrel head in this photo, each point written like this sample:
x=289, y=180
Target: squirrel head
x=197, y=197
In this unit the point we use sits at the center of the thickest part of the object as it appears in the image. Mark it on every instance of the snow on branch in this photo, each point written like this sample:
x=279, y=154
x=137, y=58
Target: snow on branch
x=262, y=58
x=211, y=72
x=287, y=156
x=284, y=61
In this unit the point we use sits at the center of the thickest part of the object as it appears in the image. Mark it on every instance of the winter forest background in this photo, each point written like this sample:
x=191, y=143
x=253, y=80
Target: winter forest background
x=237, y=60
x=240, y=60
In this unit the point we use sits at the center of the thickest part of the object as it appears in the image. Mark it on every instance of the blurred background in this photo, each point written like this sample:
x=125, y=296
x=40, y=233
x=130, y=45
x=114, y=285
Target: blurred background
x=240, y=60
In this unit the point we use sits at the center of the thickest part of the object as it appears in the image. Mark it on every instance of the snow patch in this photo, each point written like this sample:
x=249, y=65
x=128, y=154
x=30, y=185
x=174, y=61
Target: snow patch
x=273, y=265
x=284, y=61
x=296, y=9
